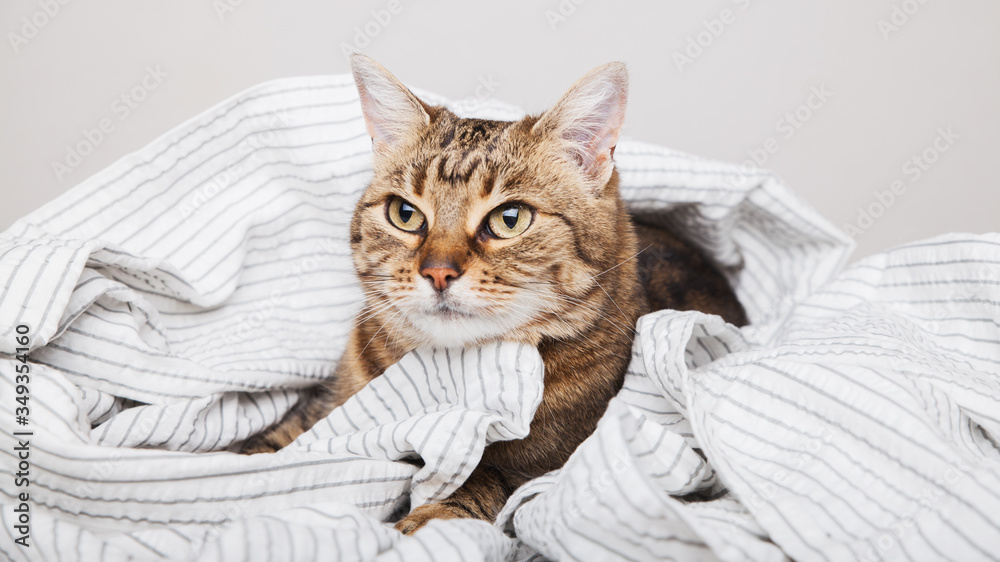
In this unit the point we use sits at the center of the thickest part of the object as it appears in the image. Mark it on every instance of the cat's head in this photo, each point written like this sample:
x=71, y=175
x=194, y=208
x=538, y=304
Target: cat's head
x=475, y=230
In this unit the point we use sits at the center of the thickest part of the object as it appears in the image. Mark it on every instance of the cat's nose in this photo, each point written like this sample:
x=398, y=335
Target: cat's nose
x=440, y=275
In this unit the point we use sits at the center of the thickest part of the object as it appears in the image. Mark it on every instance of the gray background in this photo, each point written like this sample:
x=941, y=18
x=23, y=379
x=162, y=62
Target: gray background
x=895, y=80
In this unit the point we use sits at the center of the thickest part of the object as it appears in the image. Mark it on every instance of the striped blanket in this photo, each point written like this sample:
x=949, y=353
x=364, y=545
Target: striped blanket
x=177, y=302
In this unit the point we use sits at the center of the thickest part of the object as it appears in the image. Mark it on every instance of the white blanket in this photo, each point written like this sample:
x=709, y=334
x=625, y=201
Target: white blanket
x=176, y=301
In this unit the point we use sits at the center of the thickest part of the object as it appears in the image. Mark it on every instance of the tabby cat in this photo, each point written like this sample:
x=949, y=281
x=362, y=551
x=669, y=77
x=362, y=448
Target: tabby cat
x=474, y=231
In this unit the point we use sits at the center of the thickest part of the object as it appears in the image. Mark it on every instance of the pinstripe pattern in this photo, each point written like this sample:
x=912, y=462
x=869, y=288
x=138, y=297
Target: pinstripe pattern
x=179, y=300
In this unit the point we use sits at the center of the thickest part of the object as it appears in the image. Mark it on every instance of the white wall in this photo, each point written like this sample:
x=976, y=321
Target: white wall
x=892, y=89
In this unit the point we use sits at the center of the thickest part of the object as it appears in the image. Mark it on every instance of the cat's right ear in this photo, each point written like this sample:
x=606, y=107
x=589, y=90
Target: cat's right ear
x=588, y=119
x=392, y=113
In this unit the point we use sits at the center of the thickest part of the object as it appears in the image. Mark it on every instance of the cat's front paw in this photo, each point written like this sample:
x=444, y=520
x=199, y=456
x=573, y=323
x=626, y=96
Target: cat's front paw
x=260, y=443
x=423, y=514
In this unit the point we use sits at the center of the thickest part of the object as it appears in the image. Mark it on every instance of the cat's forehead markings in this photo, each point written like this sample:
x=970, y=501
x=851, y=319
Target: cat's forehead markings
x=449, y=135
x=457, y=168
x=489, y=181
x=418, y=180
x=442, y=164
x=462, y=135
x=475, y=131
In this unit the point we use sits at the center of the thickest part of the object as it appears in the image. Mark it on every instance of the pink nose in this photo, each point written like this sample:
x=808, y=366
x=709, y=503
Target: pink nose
x=439, y=276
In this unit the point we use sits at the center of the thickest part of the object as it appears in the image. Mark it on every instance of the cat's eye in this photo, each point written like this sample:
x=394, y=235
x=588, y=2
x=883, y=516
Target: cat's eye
x=508, y=221
x=404, y=215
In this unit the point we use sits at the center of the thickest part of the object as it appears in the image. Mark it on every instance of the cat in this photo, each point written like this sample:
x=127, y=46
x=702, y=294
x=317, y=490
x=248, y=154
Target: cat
x=474, y=231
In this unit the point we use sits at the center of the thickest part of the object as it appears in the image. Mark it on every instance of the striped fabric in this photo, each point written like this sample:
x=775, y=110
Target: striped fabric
x=178, y=301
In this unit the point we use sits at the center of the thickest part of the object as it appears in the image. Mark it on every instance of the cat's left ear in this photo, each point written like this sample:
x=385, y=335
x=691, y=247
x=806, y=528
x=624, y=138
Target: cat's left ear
x=392, y=113
x=588, y=119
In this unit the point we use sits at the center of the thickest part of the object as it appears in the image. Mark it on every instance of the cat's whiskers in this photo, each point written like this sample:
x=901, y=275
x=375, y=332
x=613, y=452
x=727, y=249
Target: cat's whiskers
x=395, y=334
x=590, y=307
x=594, y=276
x=612, y=300
x=564, y=297
x=372, y=306
x=624, y=329
x=589, y=339
x=532, y=318
x=619, y=264
x=371, y=286
x=368, y=296
x=370, y=340
x=494, y=310
x=373, y=294
x=369, y=313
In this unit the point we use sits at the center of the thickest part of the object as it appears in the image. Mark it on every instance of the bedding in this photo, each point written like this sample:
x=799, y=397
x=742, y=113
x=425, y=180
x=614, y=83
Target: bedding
x=178, y=302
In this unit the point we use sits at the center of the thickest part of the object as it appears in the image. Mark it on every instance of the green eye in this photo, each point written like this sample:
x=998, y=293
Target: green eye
x=508, y=221
x=404, y=216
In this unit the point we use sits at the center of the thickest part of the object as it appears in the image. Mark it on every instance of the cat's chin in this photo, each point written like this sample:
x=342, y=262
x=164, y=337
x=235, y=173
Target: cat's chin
x=455, y=329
